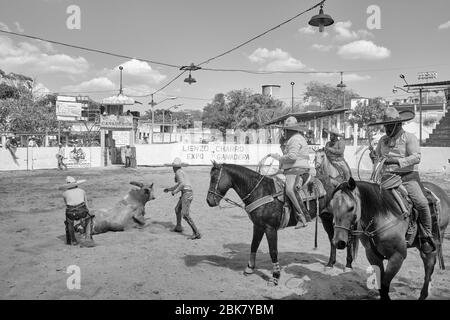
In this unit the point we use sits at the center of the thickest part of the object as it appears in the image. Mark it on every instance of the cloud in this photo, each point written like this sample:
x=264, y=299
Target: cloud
x=274, y=60
x=312, y=30
x=321, y=47
x=96, y=84
x=33, y=58
x=136, y=72
x=138, y=78
x=307, y=30
x=363, y=49
x=4, y=27
x=19, y=27
x=344, y=33
x=445, y=25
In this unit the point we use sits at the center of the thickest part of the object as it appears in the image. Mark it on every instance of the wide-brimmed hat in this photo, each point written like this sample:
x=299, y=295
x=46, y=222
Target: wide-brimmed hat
x=71, y=182
x=391, y=115
x=176, y=163
x=292, y=124
x=334, y=130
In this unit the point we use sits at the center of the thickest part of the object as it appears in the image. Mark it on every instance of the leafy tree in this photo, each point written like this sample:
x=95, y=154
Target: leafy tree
x=240, y=109
x=7, y=92
x=364, y=114
x=329, y=96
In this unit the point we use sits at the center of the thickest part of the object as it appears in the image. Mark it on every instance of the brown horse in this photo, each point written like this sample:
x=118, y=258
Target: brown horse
x=331, y=178
x=382, y=226
x=251, y=186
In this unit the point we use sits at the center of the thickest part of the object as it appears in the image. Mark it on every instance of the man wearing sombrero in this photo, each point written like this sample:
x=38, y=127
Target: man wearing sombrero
x=334, y=150
x=294, y=162
x=402, y=152
x=182, y=208
x=77, y=210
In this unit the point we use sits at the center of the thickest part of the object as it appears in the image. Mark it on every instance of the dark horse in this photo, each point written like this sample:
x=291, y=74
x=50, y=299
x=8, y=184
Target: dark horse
x=250, y=186
x=382, y=227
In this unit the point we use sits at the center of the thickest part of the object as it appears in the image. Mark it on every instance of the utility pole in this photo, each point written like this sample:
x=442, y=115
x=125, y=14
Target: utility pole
x=292, y=103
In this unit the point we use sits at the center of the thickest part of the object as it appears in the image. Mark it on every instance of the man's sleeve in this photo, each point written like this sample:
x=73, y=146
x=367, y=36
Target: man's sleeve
x=292, y=149
x=412, y=152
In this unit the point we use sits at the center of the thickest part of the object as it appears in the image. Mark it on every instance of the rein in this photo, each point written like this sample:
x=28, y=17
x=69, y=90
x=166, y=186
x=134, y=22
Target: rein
x=214, y=192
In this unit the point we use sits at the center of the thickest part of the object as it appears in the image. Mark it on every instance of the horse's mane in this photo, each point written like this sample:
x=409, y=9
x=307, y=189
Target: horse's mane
x=374, y=202
x=249, y=176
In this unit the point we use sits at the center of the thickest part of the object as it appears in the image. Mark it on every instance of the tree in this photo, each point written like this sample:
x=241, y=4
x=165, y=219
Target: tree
x=239, y=109
x=329, y=96
x=364, y=114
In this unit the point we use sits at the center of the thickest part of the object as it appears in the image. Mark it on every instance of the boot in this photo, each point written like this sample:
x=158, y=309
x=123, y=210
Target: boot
x=301, y=221
x=70, y=233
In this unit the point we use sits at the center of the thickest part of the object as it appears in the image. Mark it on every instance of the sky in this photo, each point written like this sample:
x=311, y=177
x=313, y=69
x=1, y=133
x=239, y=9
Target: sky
x=411, y=36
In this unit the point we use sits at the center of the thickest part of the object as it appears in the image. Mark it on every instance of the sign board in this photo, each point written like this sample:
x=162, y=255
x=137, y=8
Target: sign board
x=427, y=75
x=116, y=122
x=68, y=111
x=77, y=157
x=122, y=138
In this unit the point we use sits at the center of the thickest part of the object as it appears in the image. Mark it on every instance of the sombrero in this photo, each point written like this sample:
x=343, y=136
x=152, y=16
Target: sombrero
x=176, y=163
x=71, y=182
x=391, y=115
x=333, y=130
x=292, y=124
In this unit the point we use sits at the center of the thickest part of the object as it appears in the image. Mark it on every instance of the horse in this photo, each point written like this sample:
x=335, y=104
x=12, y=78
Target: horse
x=331, y=177
x=364, y=205
x=266, y=219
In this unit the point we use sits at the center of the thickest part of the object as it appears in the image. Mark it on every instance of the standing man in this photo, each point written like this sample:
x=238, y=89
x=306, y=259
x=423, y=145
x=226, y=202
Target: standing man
x=60, y=156
x=294, y=162
x=128, y=157
x=401, y=150
x=182, y=208
x=334, y=150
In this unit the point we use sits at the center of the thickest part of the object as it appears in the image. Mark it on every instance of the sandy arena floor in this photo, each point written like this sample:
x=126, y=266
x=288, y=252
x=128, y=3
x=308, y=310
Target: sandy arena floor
x=155, y=263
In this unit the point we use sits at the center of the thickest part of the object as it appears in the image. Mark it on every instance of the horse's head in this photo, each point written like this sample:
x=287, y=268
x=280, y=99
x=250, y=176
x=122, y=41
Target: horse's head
x=319, y=158
x=344, y=205
x=218, y=186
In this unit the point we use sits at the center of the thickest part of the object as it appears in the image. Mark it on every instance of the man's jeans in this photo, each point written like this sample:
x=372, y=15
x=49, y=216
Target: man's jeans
x=421, y=204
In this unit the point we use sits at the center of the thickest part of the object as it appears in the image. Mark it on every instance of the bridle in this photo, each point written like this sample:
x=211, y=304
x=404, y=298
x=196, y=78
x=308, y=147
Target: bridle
x=214, y=192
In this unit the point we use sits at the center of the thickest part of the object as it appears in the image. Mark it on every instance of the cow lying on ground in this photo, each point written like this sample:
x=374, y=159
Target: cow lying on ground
x=127, y=213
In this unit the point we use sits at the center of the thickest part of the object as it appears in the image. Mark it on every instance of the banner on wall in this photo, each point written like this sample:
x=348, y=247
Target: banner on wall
x=77, y=158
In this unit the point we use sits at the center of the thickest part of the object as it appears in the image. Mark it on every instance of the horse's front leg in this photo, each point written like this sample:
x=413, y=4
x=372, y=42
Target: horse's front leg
x=258, y=233
x=348, y=266
x=272, y=240
x=429, y=261
x=327, y=222
x=394, y=264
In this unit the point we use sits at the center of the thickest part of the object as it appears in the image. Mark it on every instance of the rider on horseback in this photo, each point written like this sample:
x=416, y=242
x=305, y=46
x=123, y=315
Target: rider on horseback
x=334, y=149
x=402, y=152
x=294, y=162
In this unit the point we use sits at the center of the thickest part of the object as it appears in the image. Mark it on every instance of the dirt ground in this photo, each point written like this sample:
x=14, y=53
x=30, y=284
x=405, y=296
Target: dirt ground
x=155, y=263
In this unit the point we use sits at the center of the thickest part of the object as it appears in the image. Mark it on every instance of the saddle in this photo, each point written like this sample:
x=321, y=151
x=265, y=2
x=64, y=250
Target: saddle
x=393, y=183
x=308, y=188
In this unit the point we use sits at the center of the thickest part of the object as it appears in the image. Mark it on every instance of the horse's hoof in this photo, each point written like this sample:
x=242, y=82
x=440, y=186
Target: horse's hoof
x=347, y=269
x=328, y=268
x=88, y=244
x=249, y=270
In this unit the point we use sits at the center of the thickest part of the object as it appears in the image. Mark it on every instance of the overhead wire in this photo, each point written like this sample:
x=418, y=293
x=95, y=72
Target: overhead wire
x=90, y=49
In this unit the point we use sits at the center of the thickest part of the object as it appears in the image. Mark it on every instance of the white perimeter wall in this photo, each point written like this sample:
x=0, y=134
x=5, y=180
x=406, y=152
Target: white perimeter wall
x=433, y=159
x=45, y=158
